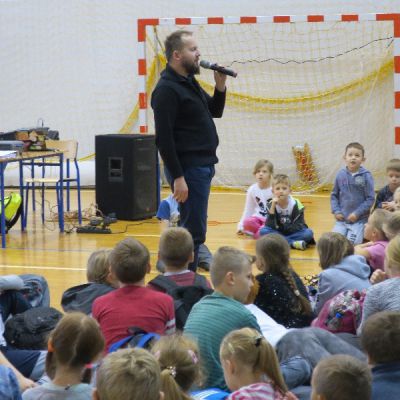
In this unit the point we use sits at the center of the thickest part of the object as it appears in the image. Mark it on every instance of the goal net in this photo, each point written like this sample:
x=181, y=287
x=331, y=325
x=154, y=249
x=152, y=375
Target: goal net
x=303, y=91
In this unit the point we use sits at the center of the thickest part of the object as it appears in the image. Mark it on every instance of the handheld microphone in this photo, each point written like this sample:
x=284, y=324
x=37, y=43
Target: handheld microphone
x=215, y=67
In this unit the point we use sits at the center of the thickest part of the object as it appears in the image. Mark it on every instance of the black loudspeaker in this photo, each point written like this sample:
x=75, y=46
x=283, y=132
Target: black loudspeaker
x=126, y=175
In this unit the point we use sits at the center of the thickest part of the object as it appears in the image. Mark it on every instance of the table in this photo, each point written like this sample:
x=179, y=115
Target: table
x=22, y=159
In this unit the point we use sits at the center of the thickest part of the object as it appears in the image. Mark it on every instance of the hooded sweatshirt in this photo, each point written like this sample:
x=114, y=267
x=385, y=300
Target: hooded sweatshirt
x=81, y=297
x=353, y=193
x=352, y=273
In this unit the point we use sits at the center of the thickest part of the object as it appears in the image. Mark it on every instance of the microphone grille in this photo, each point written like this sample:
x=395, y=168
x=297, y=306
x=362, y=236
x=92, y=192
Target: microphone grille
x=205, y=64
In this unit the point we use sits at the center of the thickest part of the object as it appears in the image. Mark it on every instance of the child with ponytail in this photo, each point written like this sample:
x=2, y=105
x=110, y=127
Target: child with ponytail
x=251, y=367
x=75, y=342
x=281, y=295
x=178, y=358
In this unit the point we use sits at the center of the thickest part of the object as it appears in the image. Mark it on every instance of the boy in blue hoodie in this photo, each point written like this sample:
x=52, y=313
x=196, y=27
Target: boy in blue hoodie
x=353, y=195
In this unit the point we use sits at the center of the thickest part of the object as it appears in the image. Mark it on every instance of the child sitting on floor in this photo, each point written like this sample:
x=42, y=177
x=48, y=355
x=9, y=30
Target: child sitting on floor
x=176, y=252
x=384, y=198
x=285, y=215
x=258, y=194
x=132, y=304
x=251, y=367
x=75, y=342
x=128, y=374
x=281, y=294
x=168, y=214
x=341, y=269
x=178, y=357
x=100, y=282
x=374, y=250
x=341, y=377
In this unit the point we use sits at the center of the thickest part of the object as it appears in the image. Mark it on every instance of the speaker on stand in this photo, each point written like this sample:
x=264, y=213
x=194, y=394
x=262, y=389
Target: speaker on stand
x=127, y=172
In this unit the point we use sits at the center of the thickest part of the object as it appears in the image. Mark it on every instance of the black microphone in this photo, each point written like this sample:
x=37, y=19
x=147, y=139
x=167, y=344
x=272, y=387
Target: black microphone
x=215, y=67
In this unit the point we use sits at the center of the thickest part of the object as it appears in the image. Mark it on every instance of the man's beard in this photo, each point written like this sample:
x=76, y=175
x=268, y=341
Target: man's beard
x=191, y=67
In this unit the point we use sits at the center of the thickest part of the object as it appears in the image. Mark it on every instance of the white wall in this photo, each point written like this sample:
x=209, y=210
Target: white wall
x=73, y=63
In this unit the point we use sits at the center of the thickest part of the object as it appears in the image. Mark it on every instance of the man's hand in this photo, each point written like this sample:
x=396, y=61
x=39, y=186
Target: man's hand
x=220, y=80
x=181, y=190
x=352, y=218
x=339, y=217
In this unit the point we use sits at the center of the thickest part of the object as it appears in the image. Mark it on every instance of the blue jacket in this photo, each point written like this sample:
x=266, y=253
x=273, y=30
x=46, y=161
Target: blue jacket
x=353, y=193
x=386, y=381
x=352, y=273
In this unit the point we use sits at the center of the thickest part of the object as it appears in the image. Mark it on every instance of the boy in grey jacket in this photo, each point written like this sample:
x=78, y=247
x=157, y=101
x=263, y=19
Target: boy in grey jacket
x=353, y=195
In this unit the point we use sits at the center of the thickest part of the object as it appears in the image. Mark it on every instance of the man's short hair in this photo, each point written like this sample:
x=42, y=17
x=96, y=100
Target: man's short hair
x=228, y=259
x=129, y=260
x=380, y=337
x=129, y=374
x=355, y=145
x=174, y=42
x=393, y=165
x=342, y=377
x=280, y=178
x=176, y=247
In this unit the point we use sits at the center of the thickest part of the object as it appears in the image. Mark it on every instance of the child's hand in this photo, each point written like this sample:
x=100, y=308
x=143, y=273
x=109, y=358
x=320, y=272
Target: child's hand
x=389, y=205
x=275, y=199
x=378, y=276
x=25, y=383
x=352, y=218
x=339, y=217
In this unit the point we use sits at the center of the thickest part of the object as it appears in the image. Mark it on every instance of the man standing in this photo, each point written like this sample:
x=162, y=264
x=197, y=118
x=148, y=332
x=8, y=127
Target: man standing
x=186, y=135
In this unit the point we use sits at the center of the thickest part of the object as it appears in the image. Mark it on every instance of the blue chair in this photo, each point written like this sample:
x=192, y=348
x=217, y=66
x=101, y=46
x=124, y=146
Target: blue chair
x=70, y=150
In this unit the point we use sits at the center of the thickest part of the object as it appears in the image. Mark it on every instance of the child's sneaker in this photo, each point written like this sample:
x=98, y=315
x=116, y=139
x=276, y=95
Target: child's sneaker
x=299, y=245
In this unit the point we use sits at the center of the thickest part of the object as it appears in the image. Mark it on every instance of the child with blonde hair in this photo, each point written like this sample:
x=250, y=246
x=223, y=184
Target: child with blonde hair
x=75, y=342
x=392, y=226
x=178, y=357
x=100, y=282
x=383, y=295
x=374, y=250
x=285, y=215
x=251, y=367
x=258, y=194
x=281, y=295
x=396, y=199
x=128, y=374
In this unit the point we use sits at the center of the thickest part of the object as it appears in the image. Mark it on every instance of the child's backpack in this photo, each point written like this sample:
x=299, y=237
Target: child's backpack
x=342, y=313
x=30, y=329
x=137, y=338
x=36, y=290
x=12, y=209
x=185, y=297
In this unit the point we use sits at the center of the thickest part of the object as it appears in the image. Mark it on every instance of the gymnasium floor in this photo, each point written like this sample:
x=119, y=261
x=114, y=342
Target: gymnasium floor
x=61, y=258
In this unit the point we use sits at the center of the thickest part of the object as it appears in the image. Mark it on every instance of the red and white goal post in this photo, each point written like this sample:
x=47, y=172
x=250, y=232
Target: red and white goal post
x=307, y=85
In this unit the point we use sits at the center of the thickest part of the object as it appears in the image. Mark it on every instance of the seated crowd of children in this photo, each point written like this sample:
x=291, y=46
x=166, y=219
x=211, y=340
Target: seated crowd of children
x=238, y=336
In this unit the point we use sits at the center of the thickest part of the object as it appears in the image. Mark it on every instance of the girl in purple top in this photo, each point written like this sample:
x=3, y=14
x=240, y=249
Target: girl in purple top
x=374, y=250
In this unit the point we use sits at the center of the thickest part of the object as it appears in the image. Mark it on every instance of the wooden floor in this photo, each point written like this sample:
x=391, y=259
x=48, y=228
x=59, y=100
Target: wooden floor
x=61, y=258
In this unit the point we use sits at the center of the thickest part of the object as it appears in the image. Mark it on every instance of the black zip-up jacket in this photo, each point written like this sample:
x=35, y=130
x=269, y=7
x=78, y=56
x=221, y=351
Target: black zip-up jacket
x=186, y=135
x=287, y=224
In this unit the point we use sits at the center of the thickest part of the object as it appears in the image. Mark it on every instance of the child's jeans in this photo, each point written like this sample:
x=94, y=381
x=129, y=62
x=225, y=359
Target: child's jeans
x=253, y=225
x=305, y=234
x=354, y=232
